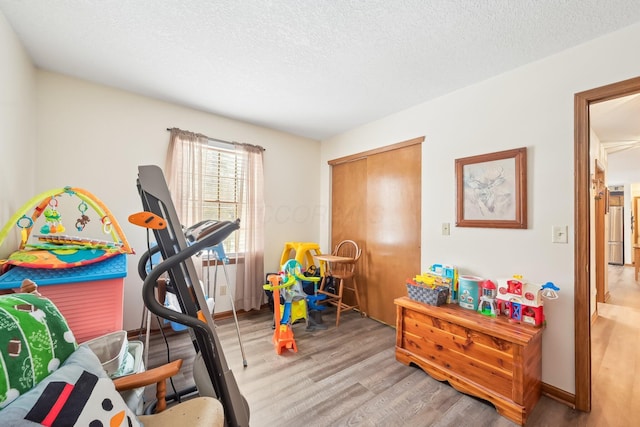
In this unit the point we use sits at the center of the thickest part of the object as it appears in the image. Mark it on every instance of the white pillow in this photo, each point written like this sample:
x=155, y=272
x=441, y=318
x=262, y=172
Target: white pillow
x=79, y=393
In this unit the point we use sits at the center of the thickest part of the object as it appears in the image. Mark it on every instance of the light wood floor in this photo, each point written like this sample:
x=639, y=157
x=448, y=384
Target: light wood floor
x=348, y=376
x=615, y=354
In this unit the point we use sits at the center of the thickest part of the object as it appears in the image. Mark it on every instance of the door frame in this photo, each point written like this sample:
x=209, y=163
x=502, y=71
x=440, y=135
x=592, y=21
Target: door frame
x=599, y=229
x=582, y=247
x=635, y=222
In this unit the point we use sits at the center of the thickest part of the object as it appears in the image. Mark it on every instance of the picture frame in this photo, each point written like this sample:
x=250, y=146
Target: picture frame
x=491, y=190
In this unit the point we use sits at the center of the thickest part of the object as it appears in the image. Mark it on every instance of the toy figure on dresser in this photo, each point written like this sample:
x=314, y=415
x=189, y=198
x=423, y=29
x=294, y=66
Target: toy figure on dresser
x=549, y=291
x=522, y=302
x=469, y=288
x=488, y=304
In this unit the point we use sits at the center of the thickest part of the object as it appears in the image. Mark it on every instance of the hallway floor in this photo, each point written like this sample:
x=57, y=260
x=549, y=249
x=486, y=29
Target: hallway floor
x=615, y=355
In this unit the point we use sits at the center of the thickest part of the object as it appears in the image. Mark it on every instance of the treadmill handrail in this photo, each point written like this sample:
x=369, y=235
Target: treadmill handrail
x=148, y=286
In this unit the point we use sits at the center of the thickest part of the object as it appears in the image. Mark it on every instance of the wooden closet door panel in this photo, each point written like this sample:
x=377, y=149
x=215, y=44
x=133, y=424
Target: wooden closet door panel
x=349, y=213
x=393, y=227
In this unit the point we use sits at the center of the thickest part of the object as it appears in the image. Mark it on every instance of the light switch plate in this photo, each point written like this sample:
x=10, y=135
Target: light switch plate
x=446, y=228
x=559, y=234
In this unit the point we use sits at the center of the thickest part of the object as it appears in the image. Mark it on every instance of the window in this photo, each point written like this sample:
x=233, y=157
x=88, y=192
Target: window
x=216, y=180
x=222, y=191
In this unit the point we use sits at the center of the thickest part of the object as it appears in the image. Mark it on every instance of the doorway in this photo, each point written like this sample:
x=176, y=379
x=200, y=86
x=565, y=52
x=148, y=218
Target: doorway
x=582, y=248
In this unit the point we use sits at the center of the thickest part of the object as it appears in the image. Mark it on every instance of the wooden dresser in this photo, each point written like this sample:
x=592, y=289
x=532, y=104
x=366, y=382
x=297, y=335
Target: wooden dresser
x=490, y=358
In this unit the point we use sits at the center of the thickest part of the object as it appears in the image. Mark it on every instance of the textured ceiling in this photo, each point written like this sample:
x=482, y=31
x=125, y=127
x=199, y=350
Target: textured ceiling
x=617, y=123
x=309, y=67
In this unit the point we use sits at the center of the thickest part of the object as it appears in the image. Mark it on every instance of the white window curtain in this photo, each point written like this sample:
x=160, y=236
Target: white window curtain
x=185, y=170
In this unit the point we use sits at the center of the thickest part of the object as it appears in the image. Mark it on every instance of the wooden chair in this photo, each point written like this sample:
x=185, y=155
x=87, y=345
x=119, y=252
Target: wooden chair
x=198, y=411
x=342, y=271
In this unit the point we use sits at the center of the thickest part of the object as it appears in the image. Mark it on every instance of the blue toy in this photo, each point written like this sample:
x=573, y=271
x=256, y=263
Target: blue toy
x=292, y=269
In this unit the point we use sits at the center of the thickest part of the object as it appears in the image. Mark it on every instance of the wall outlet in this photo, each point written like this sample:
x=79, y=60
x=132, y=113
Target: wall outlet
x=223, y=291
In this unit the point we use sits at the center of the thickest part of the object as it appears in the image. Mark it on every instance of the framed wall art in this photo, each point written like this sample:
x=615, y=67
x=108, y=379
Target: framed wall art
x=492, y=190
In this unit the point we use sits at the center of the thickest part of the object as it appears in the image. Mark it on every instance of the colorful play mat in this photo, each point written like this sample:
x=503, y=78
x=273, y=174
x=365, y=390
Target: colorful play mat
x=46, y=242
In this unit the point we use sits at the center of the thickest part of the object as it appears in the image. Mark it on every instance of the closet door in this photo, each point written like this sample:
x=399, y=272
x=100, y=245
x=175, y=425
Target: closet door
x=376, y=201
x=349, y=215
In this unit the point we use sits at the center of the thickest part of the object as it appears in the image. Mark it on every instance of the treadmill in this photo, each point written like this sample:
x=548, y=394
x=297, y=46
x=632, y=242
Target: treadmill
x=210, y=371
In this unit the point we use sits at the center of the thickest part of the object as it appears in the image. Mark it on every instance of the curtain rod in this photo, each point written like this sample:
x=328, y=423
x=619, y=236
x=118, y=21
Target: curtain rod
x=222, y=141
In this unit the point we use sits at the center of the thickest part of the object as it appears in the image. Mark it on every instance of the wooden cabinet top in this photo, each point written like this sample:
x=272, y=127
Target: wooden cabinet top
x=499, y=327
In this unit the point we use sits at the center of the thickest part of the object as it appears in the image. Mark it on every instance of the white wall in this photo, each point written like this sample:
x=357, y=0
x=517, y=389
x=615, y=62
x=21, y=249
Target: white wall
x=94, y=137
x=623, y=167
x=17, y=130
x=528, y=107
